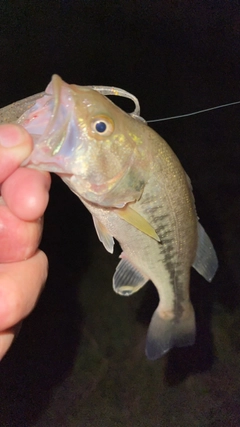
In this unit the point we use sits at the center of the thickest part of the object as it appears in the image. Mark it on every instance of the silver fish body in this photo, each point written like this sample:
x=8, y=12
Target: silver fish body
x=166, y=263
x=137, y=192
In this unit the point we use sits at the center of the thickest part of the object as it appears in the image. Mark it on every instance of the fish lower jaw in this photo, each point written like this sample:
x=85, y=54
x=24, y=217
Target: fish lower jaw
x=49, y=167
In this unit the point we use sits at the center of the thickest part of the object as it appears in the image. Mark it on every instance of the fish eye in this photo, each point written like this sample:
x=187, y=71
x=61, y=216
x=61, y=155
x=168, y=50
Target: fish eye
x=102, y=125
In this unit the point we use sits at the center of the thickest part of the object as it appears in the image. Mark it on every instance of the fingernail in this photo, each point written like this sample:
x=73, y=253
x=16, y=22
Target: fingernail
x=6, y=339
x=10, y=136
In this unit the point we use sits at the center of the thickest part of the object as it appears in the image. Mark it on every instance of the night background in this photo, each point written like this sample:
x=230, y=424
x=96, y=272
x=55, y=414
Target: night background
x=79, y=359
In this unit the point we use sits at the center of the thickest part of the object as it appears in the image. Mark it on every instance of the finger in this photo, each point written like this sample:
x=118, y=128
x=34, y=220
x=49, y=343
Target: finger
x=7, y=337
x=20, y=239
x=15, y=146
x=26, y=193
x=20, y=286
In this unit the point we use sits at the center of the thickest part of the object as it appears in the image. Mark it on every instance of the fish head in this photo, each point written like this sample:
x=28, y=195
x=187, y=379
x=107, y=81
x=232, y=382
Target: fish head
x=94, y=146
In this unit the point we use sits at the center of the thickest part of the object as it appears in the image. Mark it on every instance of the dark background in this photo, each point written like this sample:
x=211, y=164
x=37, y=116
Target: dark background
x=79, y=359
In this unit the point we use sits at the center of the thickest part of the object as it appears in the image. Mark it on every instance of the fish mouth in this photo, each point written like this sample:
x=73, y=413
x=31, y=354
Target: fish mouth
x=47, y=121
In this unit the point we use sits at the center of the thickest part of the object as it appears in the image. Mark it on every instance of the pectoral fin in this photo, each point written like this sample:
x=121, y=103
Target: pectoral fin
x=127, y=279
x=206, y=262
x=103, y=235
x=134, y=218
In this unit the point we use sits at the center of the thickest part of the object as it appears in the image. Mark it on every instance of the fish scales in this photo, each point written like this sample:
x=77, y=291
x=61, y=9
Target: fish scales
x=133, y=184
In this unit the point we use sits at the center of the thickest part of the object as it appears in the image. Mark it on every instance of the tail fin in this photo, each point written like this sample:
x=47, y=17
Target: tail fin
x=163, y=334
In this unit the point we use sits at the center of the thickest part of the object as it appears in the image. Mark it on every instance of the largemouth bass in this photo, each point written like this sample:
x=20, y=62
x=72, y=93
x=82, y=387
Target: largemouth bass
x=133, y=184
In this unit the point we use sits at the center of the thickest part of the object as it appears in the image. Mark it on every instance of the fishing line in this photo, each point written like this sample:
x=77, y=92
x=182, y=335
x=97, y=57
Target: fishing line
x=194, y=113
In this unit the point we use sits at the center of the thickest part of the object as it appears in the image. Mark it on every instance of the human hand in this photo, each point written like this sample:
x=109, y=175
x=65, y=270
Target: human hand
x=23, y=200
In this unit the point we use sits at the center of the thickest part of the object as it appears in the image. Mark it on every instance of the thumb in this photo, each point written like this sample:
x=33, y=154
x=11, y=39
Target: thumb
x=15, y=146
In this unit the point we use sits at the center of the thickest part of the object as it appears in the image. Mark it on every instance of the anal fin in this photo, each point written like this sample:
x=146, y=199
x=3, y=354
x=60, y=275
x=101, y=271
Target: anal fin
x=127, y=279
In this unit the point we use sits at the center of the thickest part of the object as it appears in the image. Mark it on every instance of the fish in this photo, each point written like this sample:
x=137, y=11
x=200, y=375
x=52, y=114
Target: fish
x=136, y=190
